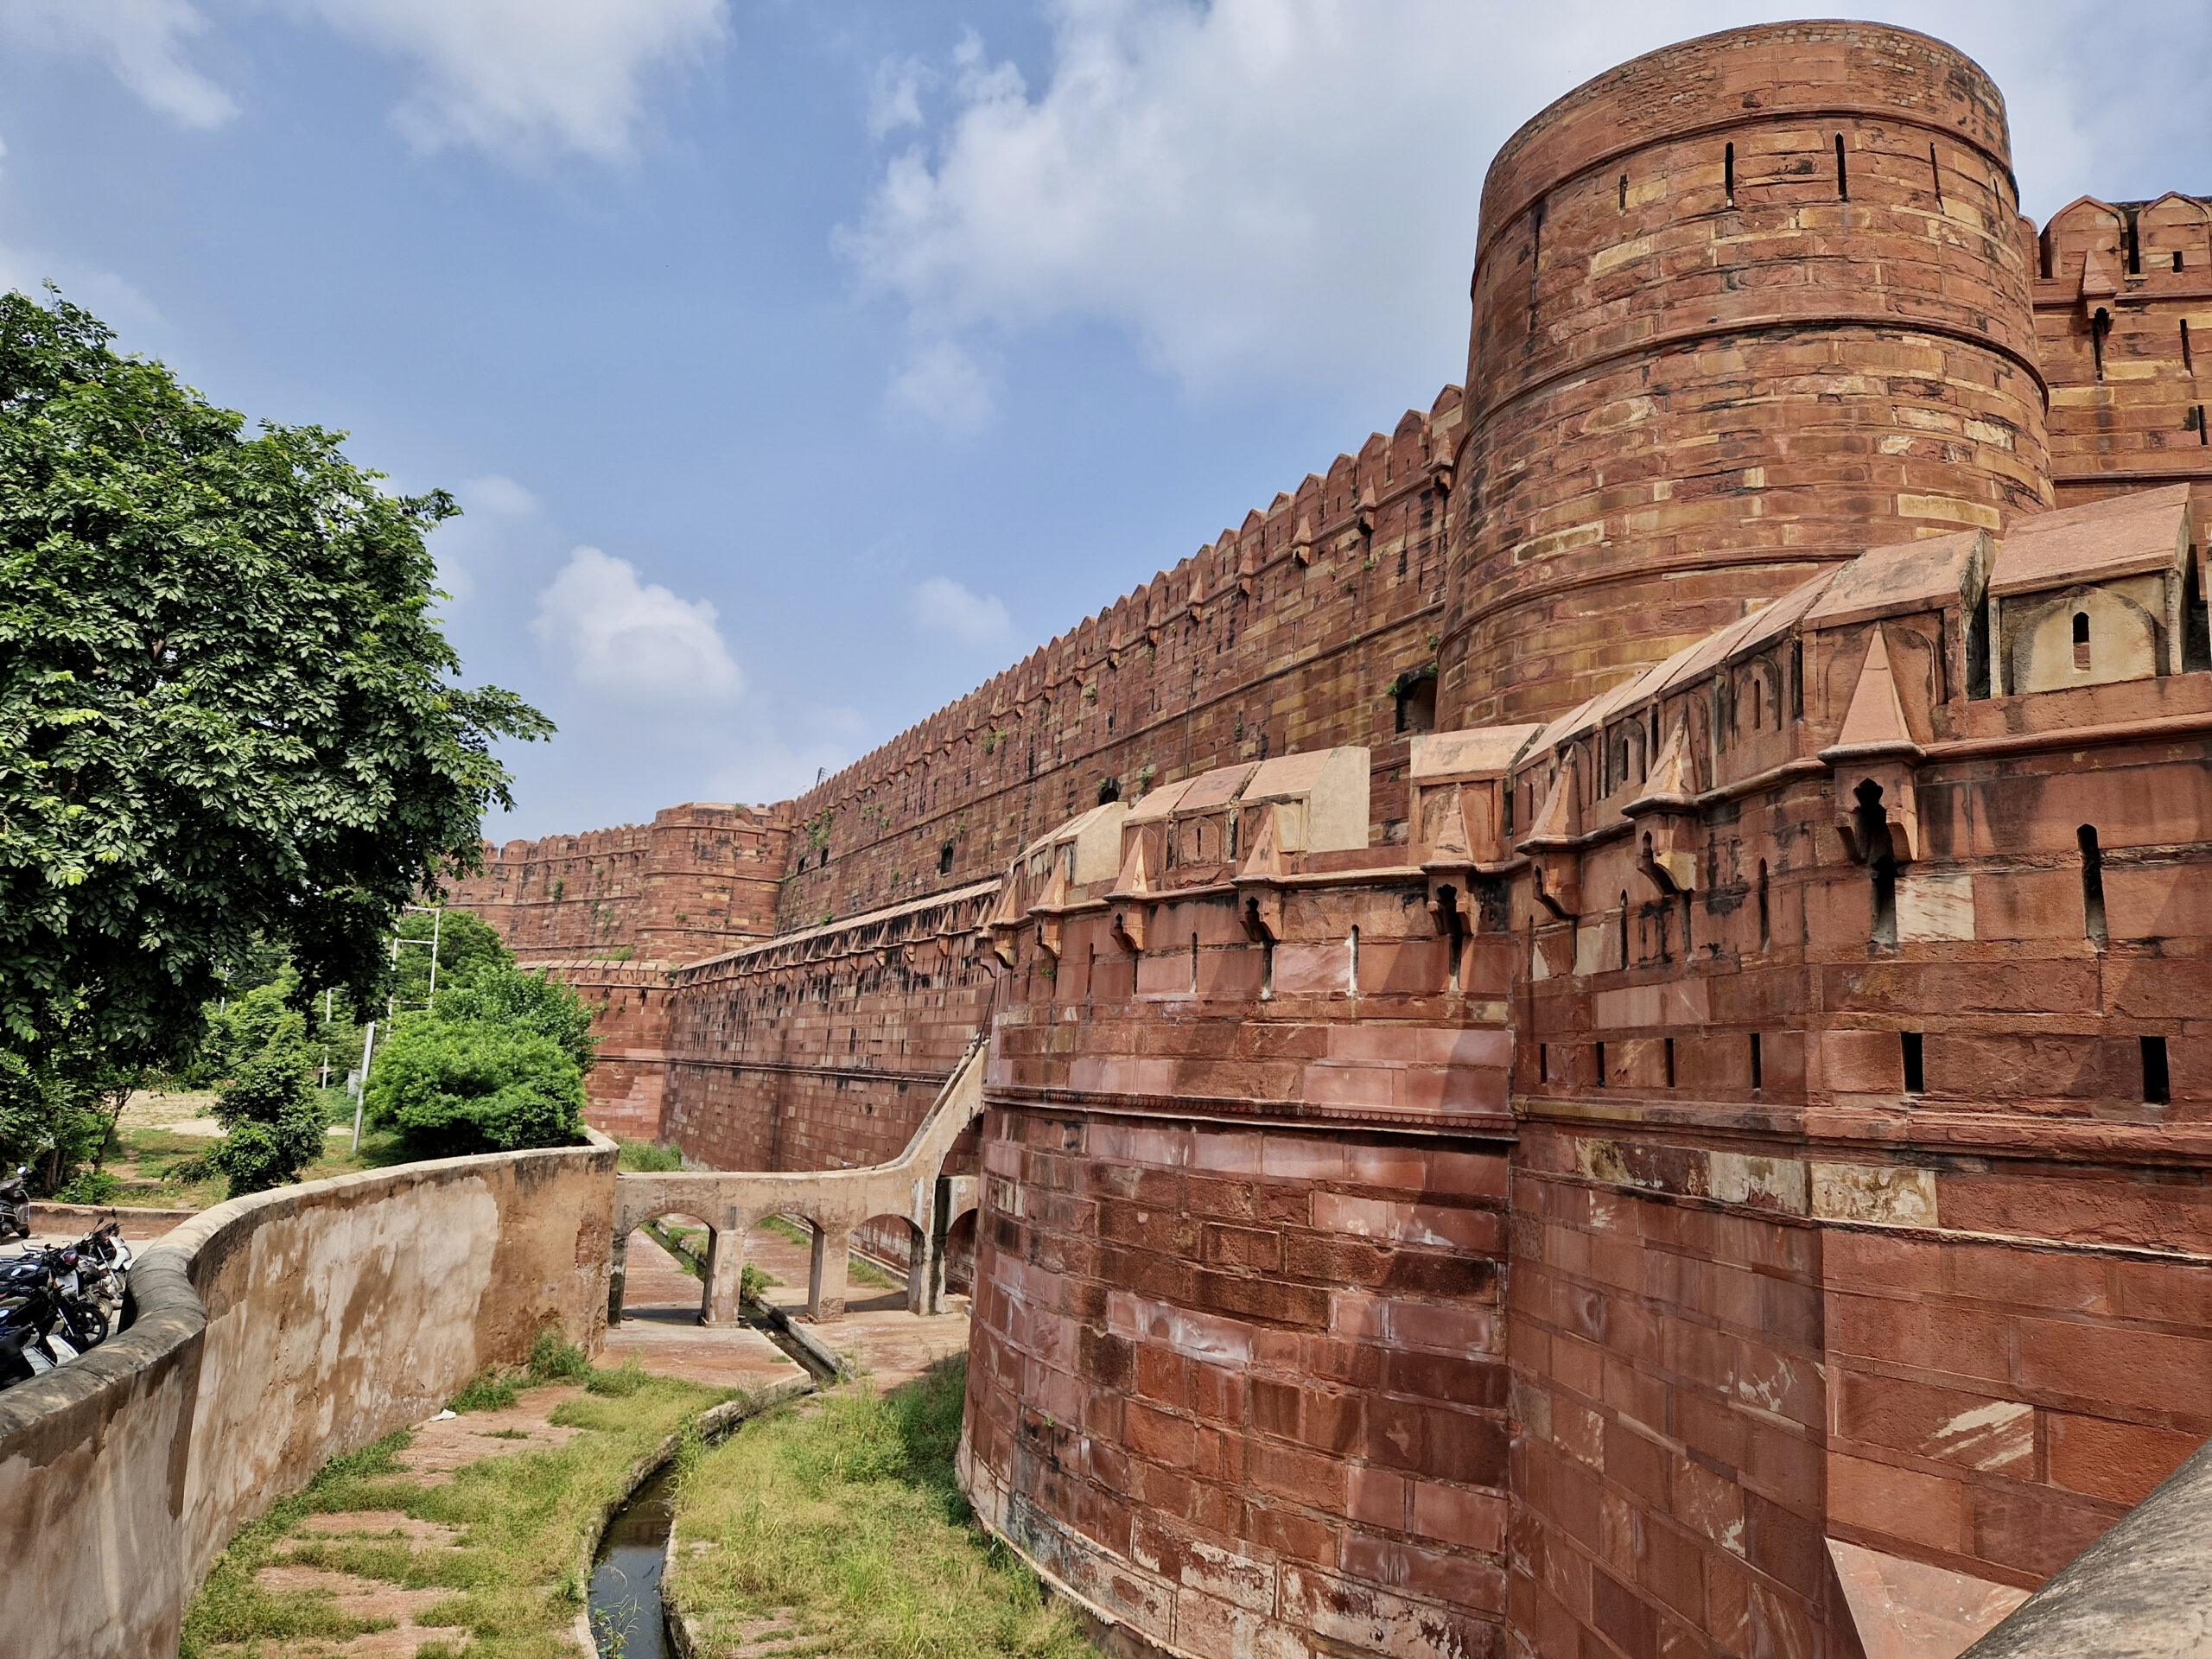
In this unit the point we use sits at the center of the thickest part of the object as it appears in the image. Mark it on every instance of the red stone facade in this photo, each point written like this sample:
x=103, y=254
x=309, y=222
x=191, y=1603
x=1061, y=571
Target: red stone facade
x=1706, y=1151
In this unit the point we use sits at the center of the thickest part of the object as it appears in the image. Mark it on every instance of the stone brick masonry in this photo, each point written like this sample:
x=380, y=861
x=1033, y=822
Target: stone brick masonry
x=1704, y=1152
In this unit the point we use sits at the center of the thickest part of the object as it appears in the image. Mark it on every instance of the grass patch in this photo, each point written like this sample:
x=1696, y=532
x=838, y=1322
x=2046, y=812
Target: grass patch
x=790, y=1231
x=846, y=1512
x=522, y=1521
x=862, y=1271
x=159, y=1169
x=646, y=1158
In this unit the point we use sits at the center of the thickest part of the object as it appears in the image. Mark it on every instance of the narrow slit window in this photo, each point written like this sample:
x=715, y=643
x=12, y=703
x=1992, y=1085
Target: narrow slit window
x=1351, y=962
x=2100, y=326
x=1766, y=926
x=2081, y=639
x=2157, y=1082
x=1935, y=173
x=1623, y=929
x=1671, y=1062
x=1758, y=1069
x=1728, y=174
x=1884, y=876
x=1194, y=964
x=2200, y=424
x=1842, y=174
x=1543, y=1061
x=1601, y=1065
x=2093, y=883
x=1916, y=1074
x=1624, y=207
x=2187, y=353
x=2176, y=258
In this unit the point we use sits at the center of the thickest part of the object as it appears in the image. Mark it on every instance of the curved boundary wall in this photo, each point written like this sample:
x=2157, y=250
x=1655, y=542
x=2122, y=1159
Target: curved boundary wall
x=271, y=1334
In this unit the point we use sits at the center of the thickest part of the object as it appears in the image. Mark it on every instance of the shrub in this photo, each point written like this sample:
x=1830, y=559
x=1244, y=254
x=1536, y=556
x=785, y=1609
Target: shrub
x=488, y=1391
x=91, y=1186
x=554, y=1358
x=450, y=1086
x=274, y=1120
x=497, y=992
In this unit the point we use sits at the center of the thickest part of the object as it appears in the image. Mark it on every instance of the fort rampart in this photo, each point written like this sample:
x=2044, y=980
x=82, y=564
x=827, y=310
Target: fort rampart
x=1597, y=1039
x=270, y=1334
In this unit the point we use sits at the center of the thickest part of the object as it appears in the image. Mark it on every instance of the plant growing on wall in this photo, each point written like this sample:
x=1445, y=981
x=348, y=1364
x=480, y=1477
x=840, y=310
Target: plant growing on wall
x=228, y=721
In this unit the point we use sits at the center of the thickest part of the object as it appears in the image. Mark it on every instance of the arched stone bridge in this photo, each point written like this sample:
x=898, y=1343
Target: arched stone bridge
x=912, y=1186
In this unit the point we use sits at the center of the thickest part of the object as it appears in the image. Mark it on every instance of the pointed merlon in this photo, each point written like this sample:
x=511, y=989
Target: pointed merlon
x=1560, y=820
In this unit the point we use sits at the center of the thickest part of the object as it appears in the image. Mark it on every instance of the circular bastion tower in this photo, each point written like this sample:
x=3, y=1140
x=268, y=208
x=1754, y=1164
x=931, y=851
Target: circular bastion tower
x=1742, y=306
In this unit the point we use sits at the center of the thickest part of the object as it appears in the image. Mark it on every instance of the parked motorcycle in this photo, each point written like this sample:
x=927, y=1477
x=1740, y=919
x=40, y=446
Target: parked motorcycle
x=104, y=1262
x=58, y=1301
x=15, y=1204
x=34, y=1326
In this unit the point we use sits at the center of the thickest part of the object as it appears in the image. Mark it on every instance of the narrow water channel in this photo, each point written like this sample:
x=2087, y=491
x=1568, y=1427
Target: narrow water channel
x=625, y=1595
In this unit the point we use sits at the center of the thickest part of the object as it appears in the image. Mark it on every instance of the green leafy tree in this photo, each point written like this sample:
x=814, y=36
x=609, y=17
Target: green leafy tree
x=503, y=995
x=450, y=1087
x=464, y=943
x=228, y=722
x=274, y=1126
x=498, y=1065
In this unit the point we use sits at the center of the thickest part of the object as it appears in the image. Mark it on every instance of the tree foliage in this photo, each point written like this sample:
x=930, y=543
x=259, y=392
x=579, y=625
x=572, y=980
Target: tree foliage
x=464, y=942
x=498, y=1065
x=274, y=1125
x=228, y=721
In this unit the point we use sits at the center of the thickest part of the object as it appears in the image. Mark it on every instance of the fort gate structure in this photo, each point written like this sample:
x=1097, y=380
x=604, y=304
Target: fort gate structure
x=1596, y=1036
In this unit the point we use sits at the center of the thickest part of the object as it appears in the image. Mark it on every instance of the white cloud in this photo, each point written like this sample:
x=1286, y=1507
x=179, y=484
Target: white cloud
x=943, y=607
x=634, y=639
x=112, y=298
x=894, y=100
x=945, y=383
x=523, y=79
x=1286, y=190
x=498, y=495
x=141, y=43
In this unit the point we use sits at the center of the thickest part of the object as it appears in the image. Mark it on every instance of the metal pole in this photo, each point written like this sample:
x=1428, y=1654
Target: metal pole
x=437, y=920
x=361, y=1094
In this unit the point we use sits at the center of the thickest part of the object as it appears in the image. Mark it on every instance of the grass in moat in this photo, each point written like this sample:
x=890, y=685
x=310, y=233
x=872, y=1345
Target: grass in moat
x=522, y=1523
x=841, y=1514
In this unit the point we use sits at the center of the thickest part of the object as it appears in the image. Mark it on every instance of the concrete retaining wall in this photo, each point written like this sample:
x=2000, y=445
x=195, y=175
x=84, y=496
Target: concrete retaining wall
x=271, y=1334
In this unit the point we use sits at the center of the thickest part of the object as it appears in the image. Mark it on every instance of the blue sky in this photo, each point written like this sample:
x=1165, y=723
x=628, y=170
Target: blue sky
x=802, y=365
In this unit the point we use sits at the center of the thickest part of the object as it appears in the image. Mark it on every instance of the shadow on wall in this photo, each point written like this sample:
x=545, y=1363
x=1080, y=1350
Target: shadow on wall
x=270, y=1334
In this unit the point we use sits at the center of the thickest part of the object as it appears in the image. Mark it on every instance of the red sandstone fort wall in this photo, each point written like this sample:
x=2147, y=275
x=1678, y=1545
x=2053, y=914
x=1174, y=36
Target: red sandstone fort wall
x=1287, y=633
x=698, y=879
x=1275, y=1150
x=2123, y=313
x=825, y=1049
x=1742, y=306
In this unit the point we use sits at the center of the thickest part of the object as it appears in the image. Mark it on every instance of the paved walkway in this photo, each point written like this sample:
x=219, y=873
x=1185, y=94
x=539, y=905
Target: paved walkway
x=877, y=1333
x=660, y=1315
x=660, y=1329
